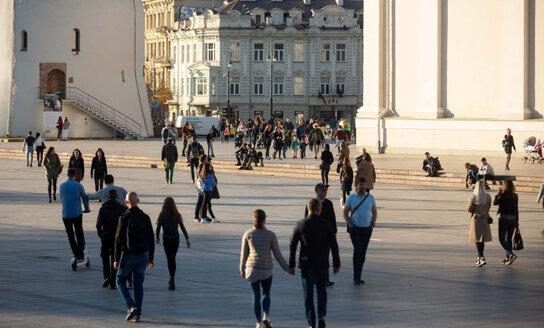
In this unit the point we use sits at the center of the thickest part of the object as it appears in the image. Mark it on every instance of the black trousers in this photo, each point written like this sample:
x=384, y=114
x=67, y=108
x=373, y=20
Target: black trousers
x=171, y=246
x=74, y=230
x=98, y=182
x=106, y=253
x=206, y=205
x=59, y=132
x=39, y=154
x=194, y=165
x=52, y=182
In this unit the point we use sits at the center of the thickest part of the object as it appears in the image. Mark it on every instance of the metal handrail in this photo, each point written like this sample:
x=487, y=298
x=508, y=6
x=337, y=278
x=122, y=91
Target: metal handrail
x=74, y=93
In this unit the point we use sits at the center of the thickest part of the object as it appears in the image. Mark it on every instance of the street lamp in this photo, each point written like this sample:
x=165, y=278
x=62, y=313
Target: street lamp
x=229, y=65
x=271, y=60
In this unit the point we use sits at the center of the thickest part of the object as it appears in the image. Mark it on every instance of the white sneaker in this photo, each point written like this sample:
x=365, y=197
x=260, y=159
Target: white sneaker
x=204, y=221
x=215, y=220
x=482, y=262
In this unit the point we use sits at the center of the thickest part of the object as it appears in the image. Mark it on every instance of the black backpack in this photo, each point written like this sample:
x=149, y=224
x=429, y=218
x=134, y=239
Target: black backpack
x=136, y=233
x=170, y=229
x=195, y=151
x=165, y=133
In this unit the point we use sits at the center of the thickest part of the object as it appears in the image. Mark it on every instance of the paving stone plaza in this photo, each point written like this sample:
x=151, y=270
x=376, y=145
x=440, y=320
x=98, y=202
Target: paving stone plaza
x=419, y=270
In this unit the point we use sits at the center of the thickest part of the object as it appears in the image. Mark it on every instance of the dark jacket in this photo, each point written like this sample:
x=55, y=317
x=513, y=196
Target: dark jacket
x=77, y=164
x=326, y=158
x=99, y=167
x=316, y=136
x=192, y=146
x=166, y=234
x=327, y=213
x=316, y=237
x=507, y=204
x=301, y=132
x=121, y=242
x=169, y=153
x=108, y=216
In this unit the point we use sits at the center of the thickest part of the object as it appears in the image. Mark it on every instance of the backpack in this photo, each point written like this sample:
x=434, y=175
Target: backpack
x=170, y=229
x=136, y=233
x=195, y=151
x=165, y=133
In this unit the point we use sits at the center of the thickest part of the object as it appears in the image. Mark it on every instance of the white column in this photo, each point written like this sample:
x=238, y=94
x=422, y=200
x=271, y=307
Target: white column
x=429, y=90
x=515, y=96
x=373, y=54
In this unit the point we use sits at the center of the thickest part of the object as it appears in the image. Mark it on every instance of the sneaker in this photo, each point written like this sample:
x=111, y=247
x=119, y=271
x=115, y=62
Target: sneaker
x=106, y=283
x=266, y=323
x=197, y=220
x=477, y=261
x=330, y=283
x=241, y=168
x=483, y=261
x=136, y=319
x=511, y=259
x=214, y=220
x=131, y=313
x=321, y=323
x=171, y=285
x=505, y=260
x=358, y=282
x=204, y=221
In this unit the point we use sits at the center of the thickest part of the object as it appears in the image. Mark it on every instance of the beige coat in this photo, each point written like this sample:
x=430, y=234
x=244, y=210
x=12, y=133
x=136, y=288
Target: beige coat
x=366, y=170
x=479, y=225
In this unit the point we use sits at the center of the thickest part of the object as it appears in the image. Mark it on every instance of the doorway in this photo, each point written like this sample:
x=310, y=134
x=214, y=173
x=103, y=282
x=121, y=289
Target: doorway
x=56, y=82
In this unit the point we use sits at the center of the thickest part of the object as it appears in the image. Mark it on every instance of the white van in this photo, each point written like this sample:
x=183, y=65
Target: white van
x=202, y=124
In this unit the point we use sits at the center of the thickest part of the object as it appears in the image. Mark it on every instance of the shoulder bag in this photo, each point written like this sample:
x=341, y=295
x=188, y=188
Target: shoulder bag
x=357, y=207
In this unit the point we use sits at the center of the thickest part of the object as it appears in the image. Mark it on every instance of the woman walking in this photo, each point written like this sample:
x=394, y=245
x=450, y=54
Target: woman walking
x=507, y=199
x=316, y=138
x=65, y=127
x=267, y=136
x=366, y=169
x=480, y=233
x=168, y=220
x=100, y=169
x=76, y=162
x=59, y=128
x=205, y=188
x=508, y=144
x=326, y=161
x=40, y=146
x=346, y=180
x=256, y=265
x=52, y=167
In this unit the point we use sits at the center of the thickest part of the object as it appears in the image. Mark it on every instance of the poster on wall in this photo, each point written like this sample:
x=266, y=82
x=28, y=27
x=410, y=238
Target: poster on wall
x=52, y=110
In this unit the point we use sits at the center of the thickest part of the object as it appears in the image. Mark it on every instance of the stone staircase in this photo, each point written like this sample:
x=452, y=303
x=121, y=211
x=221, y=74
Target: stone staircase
x=404, y=177
x=104, y=113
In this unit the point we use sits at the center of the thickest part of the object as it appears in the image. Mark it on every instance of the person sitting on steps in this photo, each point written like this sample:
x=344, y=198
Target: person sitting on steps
x=431, y=165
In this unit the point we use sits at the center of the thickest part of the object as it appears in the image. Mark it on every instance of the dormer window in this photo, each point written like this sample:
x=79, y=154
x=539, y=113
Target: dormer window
x=258, y=19
x=277, y=18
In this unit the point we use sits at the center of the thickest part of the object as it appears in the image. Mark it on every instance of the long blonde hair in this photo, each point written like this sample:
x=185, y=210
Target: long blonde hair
x=480, y=196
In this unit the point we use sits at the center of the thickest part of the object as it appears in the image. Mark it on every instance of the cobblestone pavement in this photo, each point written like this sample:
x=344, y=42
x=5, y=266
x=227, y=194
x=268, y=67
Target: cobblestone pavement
x=419, y=270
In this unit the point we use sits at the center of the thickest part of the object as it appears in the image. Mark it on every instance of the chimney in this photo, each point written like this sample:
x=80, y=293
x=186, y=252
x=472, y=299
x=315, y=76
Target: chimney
x=340, y=3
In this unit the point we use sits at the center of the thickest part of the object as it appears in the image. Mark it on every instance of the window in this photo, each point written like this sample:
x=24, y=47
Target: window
x=278, y=51
x=187, y=58
x=325, y=86
x=75, y=40
x=258, y=89
x=213, y=86
x=182, y=54
x=341, y=52
x=194, y=53
x=277, y=18
x=174, y=53
x=235, y=51
x=210, y=51
x=326, y=52
x=299, y=52
x=182, y=86
x=174, y=85
x=201, y=86
x=299, y=86
x=278, y=86
x=234, y=86
x=258, y=19
x=340, y=85
x=295, y=20
x=188, y=86
x=24, y=40
x=258, y=52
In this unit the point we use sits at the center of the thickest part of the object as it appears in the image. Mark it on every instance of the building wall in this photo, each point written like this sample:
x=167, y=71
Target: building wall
x=463, y=71
x=108, y=53
x=6, y=63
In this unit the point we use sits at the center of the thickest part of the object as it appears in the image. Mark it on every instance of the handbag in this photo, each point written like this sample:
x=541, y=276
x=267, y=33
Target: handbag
x=167, y=164
x=517, y=243
x=489, y=219
x=59, y=171
x=200, y=184
x=215, y=193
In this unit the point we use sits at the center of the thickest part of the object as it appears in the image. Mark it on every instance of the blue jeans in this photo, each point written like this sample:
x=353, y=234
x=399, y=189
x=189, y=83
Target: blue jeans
x=29, y=151
x=210, y=148
x=360, y=237
x=132, y=264
x=256, y=287
x=506, y=231
x=317, y=278
x=222, y=136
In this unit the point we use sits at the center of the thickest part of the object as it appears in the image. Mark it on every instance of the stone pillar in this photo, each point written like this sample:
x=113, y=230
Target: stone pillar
x=429, y=91
x=515, y=81
x=373, y=65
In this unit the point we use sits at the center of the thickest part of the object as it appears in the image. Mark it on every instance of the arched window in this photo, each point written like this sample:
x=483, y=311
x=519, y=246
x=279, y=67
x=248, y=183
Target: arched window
x=24, y=40
x=75, y=40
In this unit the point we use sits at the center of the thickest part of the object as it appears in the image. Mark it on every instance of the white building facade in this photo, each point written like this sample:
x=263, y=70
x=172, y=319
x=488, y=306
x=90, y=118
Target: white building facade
x=89, y=53
x=225, y=56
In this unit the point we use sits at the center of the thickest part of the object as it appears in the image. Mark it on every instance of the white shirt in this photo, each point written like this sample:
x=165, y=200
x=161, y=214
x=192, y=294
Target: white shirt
x=486, y=170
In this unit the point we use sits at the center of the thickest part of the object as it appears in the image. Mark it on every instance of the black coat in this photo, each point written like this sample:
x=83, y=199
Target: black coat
x=77, y=164
x=327, y=213
x=316, y=237
x=108, y=217
x=169, y=153
x=99, y=167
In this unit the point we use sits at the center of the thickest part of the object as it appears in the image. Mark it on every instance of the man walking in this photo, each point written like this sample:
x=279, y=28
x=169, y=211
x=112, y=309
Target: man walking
x=134, y=250
x=29, y=143
x=327, y=213
x=193, y=154
x=103, y=194
x=72, y=194
x=360, y=214
x=106, y=226
x=169, y=156
x=316, y=237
